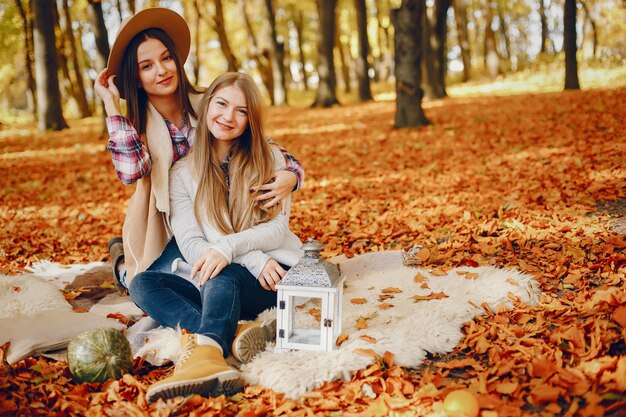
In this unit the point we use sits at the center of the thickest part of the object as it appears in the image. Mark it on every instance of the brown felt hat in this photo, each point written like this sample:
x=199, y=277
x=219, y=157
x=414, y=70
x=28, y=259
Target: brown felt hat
x=157, y=17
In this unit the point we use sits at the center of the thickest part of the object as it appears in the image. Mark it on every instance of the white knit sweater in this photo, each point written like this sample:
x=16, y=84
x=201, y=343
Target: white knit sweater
x=251, y=248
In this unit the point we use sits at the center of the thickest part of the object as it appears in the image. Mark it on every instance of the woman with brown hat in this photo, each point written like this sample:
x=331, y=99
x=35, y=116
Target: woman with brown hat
x=145, y=68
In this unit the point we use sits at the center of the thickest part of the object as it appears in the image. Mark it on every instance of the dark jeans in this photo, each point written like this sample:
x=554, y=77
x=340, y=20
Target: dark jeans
x=213, y=310
x=164, y=262
x=161, y=264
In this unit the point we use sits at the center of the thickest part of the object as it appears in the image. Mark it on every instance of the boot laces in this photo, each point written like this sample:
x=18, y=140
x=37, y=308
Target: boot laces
x=185, y=352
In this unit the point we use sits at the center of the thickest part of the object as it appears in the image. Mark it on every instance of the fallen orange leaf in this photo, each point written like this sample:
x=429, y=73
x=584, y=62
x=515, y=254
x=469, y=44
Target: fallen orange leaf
x=316, y=313
x=419, y=278
x=423, y=254
x=341, y=338
x=460, y=363
x=543, y=394
x=431, y=296
x=71, y=295
x=120, y=317
x=361, y=323
x=366, y=352
x=507, y=387
x=388, y=359
x=619, y=315
x=391, y=290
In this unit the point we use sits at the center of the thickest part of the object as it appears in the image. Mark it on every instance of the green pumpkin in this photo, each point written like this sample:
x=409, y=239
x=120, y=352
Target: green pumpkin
x=98, y=355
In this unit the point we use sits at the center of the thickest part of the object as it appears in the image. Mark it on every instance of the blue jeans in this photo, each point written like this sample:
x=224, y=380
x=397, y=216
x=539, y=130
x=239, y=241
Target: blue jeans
x=214, y=310
x=161, y=264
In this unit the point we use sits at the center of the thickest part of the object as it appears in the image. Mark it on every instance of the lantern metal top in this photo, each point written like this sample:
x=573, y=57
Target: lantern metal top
x=312, y=270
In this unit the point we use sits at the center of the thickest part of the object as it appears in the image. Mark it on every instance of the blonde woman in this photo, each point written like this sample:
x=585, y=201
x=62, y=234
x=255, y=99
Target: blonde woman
x=238, y=248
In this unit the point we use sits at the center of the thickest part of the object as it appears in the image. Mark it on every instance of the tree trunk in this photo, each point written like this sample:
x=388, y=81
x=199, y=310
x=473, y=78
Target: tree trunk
x=277, y=56
x=100, y=32
x=345, y=69
x=408, y=53
x=504, y=32
x=569, y=44
x=492, y=60
x=131, y=6
x=362, y=65
x=220, y=29
x=287, y=61
x=593, y=27
x=440, y=31
x=429, y=76
x=195, y=58
x=81, y=97
x=378, y=58
x=434, y=55
x=86, y=62
x=261, y=57
x=544, y=27
x=460, y=16
x=326, y=89
x=477, y=38
x=383, y=67
x=118, y=6
x=298, y=20
x=48, y=95
x=31, y=96
x=65, y=80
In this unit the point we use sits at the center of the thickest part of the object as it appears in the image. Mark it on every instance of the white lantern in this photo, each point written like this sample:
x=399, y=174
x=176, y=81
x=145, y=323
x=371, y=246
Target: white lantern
x=311, y=277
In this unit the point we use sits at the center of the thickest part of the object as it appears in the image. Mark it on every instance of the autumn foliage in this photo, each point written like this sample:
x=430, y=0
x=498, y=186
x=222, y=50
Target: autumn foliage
x=525, y=181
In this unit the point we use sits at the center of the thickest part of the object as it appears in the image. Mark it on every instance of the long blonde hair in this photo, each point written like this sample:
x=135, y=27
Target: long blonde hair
x=251, y=164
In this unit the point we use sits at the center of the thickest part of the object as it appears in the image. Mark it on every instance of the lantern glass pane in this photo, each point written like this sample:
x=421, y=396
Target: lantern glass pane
x=305, y=321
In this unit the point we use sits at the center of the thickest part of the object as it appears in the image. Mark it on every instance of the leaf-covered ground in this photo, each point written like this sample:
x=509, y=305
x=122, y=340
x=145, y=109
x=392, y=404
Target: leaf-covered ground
x=535, y=182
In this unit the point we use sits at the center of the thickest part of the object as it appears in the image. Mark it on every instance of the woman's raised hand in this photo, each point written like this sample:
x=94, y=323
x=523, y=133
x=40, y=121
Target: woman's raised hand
x=105, y=89
x=271, y=275
x=208, y=266
x=278, y=190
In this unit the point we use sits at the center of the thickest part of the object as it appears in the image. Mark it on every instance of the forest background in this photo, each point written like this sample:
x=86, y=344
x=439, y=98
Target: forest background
x=287, y=44
x=507, y=169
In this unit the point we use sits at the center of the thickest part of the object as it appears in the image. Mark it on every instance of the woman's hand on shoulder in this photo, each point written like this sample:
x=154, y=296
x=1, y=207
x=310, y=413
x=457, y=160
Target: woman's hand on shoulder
x=271, y=275
x=278, y=190
x=208, y=266
x=105, y=89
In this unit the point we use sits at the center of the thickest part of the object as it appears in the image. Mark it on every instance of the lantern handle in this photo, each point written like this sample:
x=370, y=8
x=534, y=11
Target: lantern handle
x=312, y=249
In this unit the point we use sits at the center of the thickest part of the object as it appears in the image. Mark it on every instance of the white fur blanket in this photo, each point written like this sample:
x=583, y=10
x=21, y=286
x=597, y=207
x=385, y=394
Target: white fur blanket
x=408, y=328
x=398, y=324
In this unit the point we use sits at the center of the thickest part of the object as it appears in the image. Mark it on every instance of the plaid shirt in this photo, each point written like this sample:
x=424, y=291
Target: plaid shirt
x=132, y=160
x=130, y=156
x=291, y=165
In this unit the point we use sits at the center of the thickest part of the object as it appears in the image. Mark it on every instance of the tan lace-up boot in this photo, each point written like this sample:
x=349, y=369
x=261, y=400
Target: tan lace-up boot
x=200, y=369
x=251, y=338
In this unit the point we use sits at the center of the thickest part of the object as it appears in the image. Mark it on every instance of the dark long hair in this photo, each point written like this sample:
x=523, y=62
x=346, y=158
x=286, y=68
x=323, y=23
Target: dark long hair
x=136, y=98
